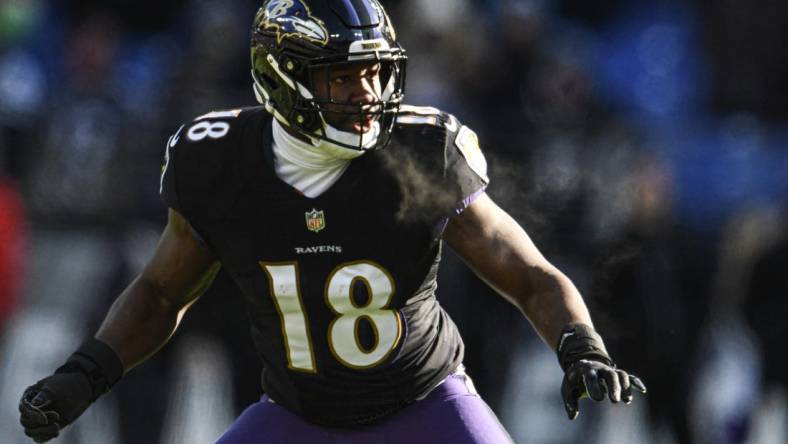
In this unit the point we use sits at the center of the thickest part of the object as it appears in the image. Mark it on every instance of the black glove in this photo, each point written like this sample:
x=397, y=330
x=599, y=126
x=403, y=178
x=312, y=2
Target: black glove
x=56, y=401
x=589, y=371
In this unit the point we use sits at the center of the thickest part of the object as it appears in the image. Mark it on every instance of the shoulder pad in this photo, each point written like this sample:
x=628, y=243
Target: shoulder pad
x=427, y=115
x=419, y=115
x=226, y=114
x=210, y=127
x=199, y=146
x=216, y=128
x=456, y=134
x=201, y=163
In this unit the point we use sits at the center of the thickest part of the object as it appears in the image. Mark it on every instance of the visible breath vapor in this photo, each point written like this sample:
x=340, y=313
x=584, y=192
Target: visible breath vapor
x=422, y=200
x=534, y=200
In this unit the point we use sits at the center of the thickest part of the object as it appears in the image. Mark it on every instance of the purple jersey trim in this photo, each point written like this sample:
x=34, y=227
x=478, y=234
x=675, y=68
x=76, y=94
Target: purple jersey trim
x=466, y=202
x=469, y=200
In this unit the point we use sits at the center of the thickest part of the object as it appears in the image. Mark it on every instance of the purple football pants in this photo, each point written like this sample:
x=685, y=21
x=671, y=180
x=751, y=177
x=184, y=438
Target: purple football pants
x=451, y=413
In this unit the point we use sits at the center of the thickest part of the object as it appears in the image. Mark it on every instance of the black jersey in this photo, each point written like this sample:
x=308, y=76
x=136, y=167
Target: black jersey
x=340, y=288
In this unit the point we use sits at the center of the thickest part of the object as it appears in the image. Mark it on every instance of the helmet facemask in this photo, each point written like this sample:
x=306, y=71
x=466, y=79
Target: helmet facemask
x=312, y=114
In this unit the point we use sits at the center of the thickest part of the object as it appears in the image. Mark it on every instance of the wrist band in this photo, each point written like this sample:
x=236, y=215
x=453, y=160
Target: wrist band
x=99, y=362
x=580, y=341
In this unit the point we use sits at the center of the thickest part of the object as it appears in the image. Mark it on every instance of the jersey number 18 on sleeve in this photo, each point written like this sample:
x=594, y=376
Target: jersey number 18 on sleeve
x=343, y=330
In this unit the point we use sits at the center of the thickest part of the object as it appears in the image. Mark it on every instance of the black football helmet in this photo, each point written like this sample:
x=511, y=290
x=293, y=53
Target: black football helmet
x=293, y=38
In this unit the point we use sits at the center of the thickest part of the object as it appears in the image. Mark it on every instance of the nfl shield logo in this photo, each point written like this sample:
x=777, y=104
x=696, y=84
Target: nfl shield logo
x=315, y=220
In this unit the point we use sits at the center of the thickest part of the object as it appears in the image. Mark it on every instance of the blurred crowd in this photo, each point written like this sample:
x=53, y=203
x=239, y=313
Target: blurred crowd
x=642, y=144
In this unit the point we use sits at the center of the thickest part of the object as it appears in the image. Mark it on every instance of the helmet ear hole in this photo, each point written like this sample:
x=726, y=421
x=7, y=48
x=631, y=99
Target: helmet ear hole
x=306, y=120
x=290, y=65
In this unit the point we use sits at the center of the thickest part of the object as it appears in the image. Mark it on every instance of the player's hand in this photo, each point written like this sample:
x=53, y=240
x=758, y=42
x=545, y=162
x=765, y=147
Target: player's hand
x=53, y=403
x=596, y=379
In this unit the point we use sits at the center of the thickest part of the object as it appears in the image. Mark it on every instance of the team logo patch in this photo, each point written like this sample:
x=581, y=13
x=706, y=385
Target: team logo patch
x=315, y=220
x=292, y=18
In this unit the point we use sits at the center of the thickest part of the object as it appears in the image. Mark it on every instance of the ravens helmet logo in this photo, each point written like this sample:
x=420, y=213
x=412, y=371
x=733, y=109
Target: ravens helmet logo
x=292, y=18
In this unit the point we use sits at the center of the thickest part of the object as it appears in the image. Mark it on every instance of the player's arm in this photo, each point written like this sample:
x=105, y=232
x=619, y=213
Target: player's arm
x=140, y=321
x=147, y=313
x=500, y=252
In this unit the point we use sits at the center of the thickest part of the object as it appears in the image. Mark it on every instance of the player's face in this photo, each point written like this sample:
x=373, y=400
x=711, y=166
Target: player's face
x=349, y=85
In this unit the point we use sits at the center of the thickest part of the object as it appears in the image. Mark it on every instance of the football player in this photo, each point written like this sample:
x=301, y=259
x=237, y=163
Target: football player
x=335, y=243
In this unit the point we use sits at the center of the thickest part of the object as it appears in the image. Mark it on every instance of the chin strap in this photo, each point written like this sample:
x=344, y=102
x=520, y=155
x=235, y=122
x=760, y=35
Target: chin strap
x=365, y=141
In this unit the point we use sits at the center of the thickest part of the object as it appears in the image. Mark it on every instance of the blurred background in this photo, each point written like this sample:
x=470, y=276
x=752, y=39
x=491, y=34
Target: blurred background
x=642, y=144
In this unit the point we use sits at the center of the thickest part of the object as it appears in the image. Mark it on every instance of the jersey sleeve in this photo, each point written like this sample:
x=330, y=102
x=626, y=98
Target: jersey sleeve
x=437, y=163
x=465, y=167
x=200, y=176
